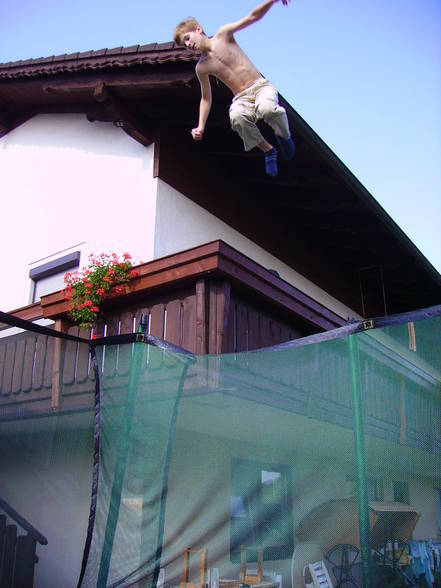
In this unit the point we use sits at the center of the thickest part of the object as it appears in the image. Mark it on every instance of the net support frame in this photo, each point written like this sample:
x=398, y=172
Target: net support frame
x=360, y=460
x=121, y=463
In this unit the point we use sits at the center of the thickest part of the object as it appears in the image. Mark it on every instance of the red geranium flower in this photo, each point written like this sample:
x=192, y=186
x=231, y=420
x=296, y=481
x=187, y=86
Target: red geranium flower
x=106, y=273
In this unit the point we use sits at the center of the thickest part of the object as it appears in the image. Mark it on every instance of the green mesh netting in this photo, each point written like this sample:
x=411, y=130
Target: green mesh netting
x=242, y=469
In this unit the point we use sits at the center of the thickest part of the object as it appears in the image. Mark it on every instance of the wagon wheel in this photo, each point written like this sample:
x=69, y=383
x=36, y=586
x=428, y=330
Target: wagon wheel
x=342, y=557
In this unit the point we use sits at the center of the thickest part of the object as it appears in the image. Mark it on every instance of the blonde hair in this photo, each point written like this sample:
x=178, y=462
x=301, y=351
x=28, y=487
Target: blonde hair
x=187, y=25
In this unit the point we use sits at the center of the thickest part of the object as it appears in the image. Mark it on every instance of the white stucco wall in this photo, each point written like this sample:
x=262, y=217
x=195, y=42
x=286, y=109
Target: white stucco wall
x=68, y=184
x=181, y=224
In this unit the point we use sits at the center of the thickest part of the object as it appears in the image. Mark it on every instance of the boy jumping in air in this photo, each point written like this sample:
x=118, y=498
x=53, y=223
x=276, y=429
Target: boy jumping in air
x=254, y=97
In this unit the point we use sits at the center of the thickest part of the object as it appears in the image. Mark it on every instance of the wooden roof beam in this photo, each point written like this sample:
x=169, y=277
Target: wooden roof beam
x=121, y=115
x=126, y=81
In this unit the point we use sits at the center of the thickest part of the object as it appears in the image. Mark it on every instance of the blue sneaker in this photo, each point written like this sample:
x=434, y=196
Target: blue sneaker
x=271, y=162
x=287, y=147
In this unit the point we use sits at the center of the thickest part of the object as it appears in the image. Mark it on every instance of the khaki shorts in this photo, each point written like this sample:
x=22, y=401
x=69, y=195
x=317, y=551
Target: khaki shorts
x=259, y=101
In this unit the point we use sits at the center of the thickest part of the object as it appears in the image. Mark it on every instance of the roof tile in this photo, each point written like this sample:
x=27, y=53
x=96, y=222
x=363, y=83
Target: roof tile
x=164, y=46
x=132, y=49
x=85, y=54
x=71, y=56
x=149, y=47
x=115, y=51
x=118, y=57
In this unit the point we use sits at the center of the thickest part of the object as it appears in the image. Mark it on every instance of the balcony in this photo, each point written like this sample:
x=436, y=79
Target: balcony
x=214, y=300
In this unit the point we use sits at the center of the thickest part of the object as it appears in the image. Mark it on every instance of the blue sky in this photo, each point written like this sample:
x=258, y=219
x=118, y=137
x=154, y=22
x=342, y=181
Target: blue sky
x=364, y=74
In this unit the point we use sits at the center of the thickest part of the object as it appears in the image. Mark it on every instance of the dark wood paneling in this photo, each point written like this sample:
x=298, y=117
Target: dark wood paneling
x=25, y=562
x=40, y=356
x=48, y=362
x=230, y=335
x=2, y=366
x=69, y=358
x=84, y=370
x=18, y=366
x=251, y=328
x=204, y=316
x=26, y=381
x=8, y=368
x=193, y=326
x=8, y=557
x=126, y=322
x=241, y=327
x=157, y=320
x=173, y=329
x=218, y=304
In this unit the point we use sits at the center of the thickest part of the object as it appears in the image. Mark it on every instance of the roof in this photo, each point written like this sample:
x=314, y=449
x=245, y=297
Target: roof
x=315, y=216
x=118, y=57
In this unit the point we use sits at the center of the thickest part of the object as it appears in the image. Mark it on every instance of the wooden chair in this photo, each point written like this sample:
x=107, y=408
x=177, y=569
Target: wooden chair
x=186, y=568
x=250, y=578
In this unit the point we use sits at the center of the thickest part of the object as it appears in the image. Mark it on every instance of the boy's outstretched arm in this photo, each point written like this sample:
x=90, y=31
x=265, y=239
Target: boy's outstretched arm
x=255, y=15
x=205, y=105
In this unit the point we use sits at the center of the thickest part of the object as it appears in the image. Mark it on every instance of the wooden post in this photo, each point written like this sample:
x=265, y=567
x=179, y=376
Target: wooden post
x=203, y=567
x=201, y=319
x=246, y=578
x=60, y=325
x=186, y=565
x=186, y=568
x=243, y=562
x=259, y=565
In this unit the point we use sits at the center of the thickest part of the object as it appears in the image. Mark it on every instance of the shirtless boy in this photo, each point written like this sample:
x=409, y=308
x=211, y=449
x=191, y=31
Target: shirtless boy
x=254, y=97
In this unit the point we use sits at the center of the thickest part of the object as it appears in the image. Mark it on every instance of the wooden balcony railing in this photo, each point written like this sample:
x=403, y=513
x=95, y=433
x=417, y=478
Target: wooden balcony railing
x=212, y=300
x=17, y=551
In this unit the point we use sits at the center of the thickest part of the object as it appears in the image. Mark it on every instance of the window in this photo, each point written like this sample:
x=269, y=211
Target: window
x=49, y=277
x=374, y=486
x=261, y=510
x=401, y=492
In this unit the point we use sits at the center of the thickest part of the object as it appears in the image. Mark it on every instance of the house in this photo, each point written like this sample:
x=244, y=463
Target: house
x=95, y=154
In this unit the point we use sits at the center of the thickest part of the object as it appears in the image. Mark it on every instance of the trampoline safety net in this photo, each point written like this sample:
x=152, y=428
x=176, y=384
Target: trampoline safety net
x=312, y=462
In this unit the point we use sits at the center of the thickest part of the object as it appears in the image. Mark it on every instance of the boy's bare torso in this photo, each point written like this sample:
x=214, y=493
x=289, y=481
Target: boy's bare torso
x=226, y=61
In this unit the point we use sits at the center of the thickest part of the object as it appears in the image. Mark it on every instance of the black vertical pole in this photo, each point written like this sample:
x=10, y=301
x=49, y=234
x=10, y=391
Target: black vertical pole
x=121, y=461
x=166, y=474
x=360, y=457
x=96, y=465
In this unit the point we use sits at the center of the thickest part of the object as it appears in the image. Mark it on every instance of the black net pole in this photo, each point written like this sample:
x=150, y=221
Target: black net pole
x=96, y=464
x=360, y=457
x=166, y=475
x=121, y=462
